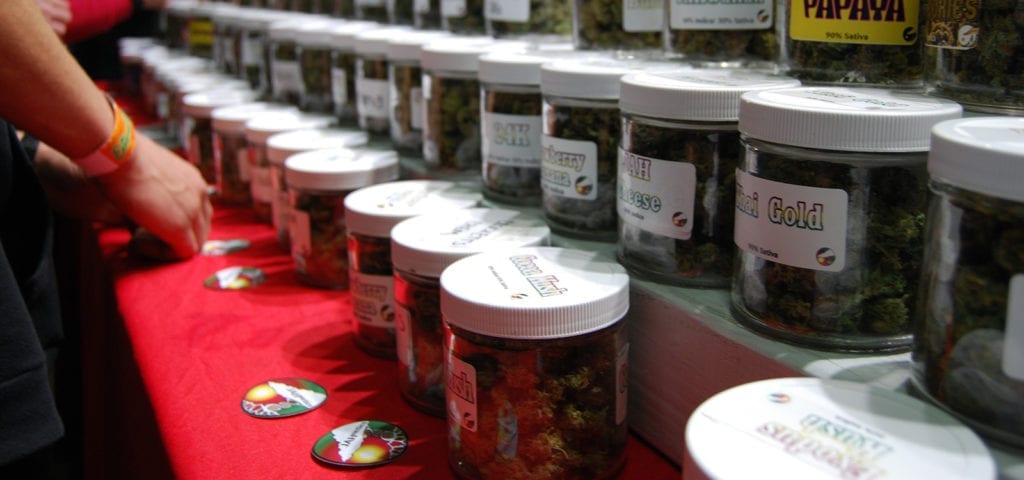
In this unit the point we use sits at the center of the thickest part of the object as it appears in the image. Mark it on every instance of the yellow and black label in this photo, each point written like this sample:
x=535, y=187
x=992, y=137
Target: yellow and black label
x=873, y=22
x=200, y=32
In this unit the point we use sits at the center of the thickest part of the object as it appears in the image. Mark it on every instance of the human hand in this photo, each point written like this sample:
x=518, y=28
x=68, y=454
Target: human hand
x=164, y=194
x=70, y=191
x=57, y=14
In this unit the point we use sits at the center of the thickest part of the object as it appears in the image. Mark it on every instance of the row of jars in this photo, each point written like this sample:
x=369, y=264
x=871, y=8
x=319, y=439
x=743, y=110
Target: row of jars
x=960, y=50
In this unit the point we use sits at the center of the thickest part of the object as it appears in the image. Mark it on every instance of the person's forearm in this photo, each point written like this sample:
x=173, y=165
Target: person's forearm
x=43, y=90
x=93, y=17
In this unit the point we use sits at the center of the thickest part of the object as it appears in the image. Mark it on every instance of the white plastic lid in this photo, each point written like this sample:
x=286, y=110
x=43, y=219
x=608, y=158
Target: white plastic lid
x=283, y=145
x=340, y=169
x=816, y=428
x=980, y=154
x=461, y=54
x=374, y=43
x=427, y=244
x=534, y=293
x=710, y=95
x=260, y=128
x=513, y=68
x=315, y=33
x=844, y=119
x=592, y=77
x=287, y=28
x=201, y=104
x=343, y=37
x=232, y=119
x=375, y=210
x=408, y=47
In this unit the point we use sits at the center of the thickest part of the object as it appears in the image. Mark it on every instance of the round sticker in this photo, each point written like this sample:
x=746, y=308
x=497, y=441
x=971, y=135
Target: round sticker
x=283, y=397
x=223, y=247
x=366, y=443
x=235, y=278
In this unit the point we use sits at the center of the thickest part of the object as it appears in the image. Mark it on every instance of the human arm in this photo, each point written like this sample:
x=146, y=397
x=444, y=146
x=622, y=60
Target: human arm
x=57, y=14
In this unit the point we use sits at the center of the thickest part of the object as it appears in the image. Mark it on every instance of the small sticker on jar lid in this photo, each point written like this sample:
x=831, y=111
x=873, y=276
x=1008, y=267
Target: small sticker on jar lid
x=283, y=397
x=366, y=443
x=214, y=248
x=235, y=278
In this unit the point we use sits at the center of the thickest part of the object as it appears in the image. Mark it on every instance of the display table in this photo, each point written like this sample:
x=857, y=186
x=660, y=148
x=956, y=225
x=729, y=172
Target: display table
x=199, y=350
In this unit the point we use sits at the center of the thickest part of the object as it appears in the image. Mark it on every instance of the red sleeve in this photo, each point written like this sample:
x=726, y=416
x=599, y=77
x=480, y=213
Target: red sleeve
x=93, y=17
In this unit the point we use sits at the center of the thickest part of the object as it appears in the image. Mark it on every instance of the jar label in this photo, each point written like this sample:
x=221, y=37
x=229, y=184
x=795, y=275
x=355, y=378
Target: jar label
x=453, y=8
x=1013, y=342
x=339, y=86
x=372, y=97
x=403, y=342
x=252, y=51
x=643, y=15
x=416, y=108
x=794, y=225
x=200, y=32
x=721, y=14
x=195, y=151
x=280, y=210
x=657, y=195
x=621, y=384
x=854, y=99
x=508, y=10
x=372, y=298
x=568, y=168
x=460, y=388
x=869, y=22
x=421, y=6
x=260, y=185
x=242, y=158
x=286, y=77
x=952, y=24
x=302, y=245
x=511, y=140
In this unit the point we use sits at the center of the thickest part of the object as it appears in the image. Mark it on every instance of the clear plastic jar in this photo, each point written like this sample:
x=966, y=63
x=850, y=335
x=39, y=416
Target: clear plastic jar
x=372, y=99
x=405, y=91
x=175, y=18
x=314, y=44
x=223, y=48
x=400, y=11
x=370, y=213
x=343, y=69
x=723, y=34
x=677, y=172
x=618, y=24
x=371, y=10
x=257, y=131
x=536, y=380
x=872, y=44
x=421, y=249
x=179, y=125
x=252, y=44
x=199, y=42
x=426, y=14
x=973, y=52
x=286, y=76
x=230, y=150
x=318, y=182
x=465, y=17
x=517, y=18
x=131, y=51
x=197, y=111
x=283, y=145
x=968, y=349
x=830, y=212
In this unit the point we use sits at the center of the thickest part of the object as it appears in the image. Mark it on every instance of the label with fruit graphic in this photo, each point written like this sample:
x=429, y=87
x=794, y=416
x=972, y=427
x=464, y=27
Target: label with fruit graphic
x=283, y=397
x=365, y=443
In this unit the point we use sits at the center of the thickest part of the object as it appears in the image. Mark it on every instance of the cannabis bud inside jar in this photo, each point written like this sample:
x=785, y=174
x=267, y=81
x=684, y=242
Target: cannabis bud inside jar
x=372, y=88
x=968, y=352
x=518, y=18
x=196, y=112
x=463, y=16
x=536, y=360
x=421, y=248
x=677, y=172
x=618, y=24
x=830, y=210
x=318, y=182
x=405, y=92
x=231, y=154
x=370, y=213
x=314, y=46
x=723, y=34
x=343, y=69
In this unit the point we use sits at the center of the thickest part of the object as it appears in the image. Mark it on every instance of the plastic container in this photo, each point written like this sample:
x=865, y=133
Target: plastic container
x=283, y=145
x=973, y=54
x=231, y=152
x=465, y=17
x=720, y=34
x=371, y=10
x=343, y=69
x=536, y=356
x=677, y=172
x=318, y=182
x=257, y=131
x=175, y=18
x=405, y=89
x=400, y=12
x=370, y=213
x=372, y=90
x=869, y=44
x=968, y=349
x=830, y=210
x=314, y=44
x=179, y=125
x=426, y=14
x=618, y=24
x=199, y=40
x=823, y=428
x=197, y=110
x=285, y=72
x=421, y=249
x=519, y=18
x=130, y=51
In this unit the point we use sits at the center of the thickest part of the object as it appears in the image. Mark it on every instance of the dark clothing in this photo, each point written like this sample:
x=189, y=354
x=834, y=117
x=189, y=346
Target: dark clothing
x=30, y=325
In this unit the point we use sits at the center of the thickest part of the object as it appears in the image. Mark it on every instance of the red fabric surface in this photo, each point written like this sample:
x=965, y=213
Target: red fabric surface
x=93, y=17
x=200, y=350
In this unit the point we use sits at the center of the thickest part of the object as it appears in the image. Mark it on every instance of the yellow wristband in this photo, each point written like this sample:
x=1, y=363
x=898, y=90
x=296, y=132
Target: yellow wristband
x=115, y=151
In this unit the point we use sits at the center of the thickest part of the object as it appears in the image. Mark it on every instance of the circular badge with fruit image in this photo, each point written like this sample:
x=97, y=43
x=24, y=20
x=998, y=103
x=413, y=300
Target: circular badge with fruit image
x=825, y=256
x=235, y=278
x=366, y=443
x=283, y=397
x=213, y=248
x=584, y=186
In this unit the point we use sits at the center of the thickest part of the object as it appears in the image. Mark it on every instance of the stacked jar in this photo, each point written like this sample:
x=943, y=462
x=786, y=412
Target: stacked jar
x=618, y=24
x=969, y=338
x=677, y=172
x=179, y=125
x=314, y=47
x=372, y=99
x=285, y=74
x=830, y=212
x=400, y=12
x=257, y=131
x=343, y=69
x=465, y=17
x=405, y=90
x=426, y=14
x=541, y=19
x=283, y=145
x=370, y=214
x=318, y=182
x=197, y=114
x=230, y=153
x=223, y=47
x=421, y=248
x=536, y=358
x=720, y=34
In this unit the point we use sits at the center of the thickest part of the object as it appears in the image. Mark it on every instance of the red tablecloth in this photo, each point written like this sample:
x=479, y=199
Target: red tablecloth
x=198, y=351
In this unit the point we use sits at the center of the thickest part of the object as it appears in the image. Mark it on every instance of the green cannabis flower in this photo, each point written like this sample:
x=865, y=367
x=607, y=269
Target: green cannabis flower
x=315, y=65
x=599, y=27
x=451, y=135
x=743, y=46
x=471, y=22
x=545, y=17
